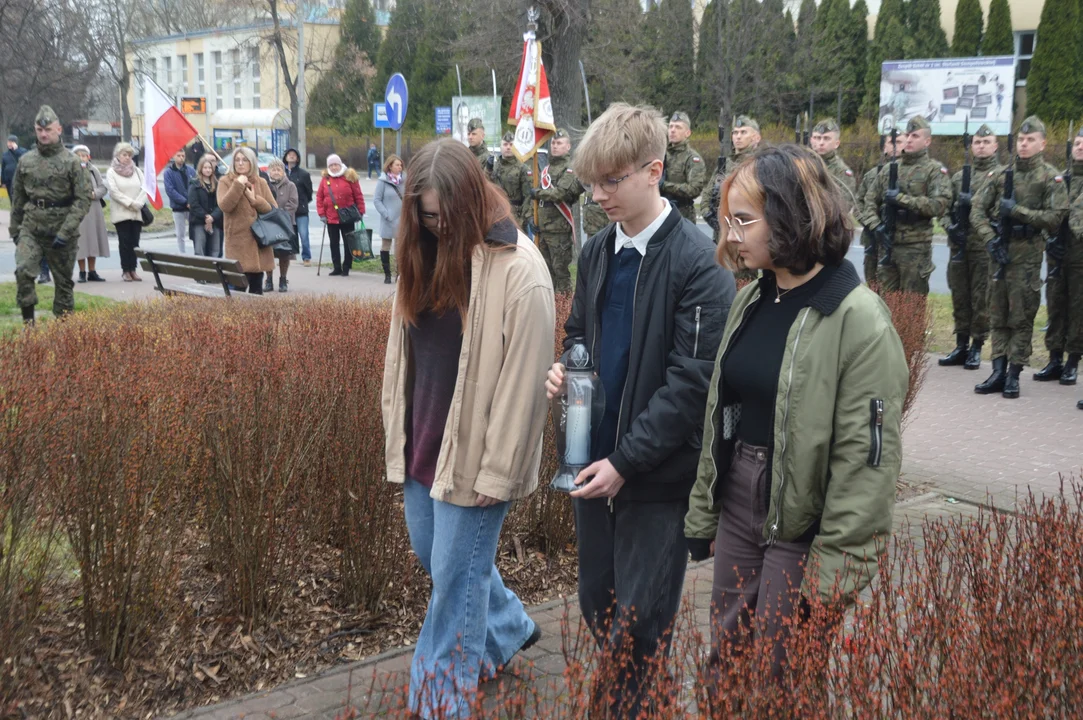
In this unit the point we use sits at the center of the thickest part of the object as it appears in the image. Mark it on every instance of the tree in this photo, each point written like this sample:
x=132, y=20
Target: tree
x=926, y=32
x=343, y=96
x=1054, y=84
x=118, y=22
x=668, y=62
x=998, y=39
x=611, y=53
x=739, y=29
x=966, y=39
x=859, y=44
x=889, y=43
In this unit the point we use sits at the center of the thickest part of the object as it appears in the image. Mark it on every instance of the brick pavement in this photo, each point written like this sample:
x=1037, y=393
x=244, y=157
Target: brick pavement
x=957, y=445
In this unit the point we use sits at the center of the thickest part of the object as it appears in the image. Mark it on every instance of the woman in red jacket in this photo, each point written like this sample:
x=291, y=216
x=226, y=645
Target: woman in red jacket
x=340, y=187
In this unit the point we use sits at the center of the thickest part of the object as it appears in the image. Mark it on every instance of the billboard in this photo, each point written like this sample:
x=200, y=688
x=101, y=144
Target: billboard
x=486, y=107
x=947, y=92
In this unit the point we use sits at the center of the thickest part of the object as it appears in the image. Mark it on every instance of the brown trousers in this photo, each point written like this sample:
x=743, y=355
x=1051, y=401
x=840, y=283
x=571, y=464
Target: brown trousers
x=756, y=585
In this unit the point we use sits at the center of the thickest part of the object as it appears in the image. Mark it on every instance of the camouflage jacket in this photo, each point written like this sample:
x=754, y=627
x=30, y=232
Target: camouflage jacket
x=481, y=152
x=1042, y=202
x=594, y=218
x=981, y=170
x=860, y=212
x=924, y=194
x=843, y=175
x=714, y=199
x=565, y=188
x=511, y=176
x=685, y=175
x=50, y=174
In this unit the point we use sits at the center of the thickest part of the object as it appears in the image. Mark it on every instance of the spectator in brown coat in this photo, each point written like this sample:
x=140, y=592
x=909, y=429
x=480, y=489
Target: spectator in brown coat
x=242, y=195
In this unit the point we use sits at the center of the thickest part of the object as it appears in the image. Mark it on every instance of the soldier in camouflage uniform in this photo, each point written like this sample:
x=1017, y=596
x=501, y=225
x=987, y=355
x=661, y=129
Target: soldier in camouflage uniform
x=510, y=175
x=684, y=175
x=554, y=232
x=923, y=193
x=1064, y=290
x=1034, y=213
x=594, y=218
x=746, y=138
x=968, y=277
x=476, y=139
x=50, y=195
x=867, y=215
x=1075, y=222
x=825, y=141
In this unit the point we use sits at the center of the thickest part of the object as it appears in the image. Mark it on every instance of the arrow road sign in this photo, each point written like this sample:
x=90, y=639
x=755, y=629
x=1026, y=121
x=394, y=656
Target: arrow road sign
x=397, y=98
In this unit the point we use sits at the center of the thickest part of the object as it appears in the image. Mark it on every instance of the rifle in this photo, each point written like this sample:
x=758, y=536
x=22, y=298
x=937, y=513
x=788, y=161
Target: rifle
x=797, y=130
x=1057, y=246
x=885, y=234
x=998, y=246
x=807, y=136
x=960, y=216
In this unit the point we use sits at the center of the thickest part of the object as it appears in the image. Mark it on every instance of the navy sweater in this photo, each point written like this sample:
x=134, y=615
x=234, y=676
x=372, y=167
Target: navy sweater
x=616, y=337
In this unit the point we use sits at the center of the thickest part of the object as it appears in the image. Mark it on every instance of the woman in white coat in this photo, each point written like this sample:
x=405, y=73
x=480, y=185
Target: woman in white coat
x=125, y=183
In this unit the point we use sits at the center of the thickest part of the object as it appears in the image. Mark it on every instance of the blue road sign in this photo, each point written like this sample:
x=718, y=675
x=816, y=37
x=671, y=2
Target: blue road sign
x=443, y=120
x=379, y=116
x=396, y=98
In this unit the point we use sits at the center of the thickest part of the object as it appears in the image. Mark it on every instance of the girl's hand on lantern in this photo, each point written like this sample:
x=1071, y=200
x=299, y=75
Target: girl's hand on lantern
x=607, y=481
x=554, y=381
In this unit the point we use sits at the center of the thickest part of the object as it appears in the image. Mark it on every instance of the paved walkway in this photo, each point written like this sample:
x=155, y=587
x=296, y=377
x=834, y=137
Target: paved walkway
x=958, y=445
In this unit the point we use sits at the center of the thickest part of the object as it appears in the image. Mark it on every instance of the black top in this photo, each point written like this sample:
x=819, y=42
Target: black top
x=751, y=368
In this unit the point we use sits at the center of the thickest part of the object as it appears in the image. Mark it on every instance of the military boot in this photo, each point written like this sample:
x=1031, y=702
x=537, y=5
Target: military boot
x=28, y=315
x=958, y=355
x=1068, y=374
x=995, y=382
x=973, y=357
x=1053, y=369
x=1011, y=383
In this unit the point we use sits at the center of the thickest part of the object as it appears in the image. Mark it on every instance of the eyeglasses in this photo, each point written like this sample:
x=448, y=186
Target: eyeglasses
x=428, y=217
x=611, y=185
x=737, y=226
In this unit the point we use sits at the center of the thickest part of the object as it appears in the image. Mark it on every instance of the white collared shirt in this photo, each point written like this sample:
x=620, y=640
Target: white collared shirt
x=639, y=241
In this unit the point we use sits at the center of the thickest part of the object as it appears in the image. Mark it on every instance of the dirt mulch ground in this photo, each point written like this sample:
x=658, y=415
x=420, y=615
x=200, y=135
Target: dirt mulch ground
x=211, y=656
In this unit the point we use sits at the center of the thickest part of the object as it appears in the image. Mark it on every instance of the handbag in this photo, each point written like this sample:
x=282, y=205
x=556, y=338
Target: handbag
x=349, y=215
x=273, y=227
x=360, y=243
x=146, y=216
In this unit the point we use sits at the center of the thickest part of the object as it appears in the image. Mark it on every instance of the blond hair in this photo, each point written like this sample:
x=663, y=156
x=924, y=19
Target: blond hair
x=253, y=163
x=213, y=160
x=623, y=136
x=123, y=147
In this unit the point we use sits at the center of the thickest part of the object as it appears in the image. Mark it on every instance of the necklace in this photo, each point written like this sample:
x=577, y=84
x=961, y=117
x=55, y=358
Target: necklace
x=779, y=293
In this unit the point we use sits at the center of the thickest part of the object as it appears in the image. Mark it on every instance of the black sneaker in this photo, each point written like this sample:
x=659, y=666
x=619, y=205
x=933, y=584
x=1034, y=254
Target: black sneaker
x=82, y=276
x=44, y=278
x=333, y=273
x=269, y=284
x=283, y=284
x=93, y=276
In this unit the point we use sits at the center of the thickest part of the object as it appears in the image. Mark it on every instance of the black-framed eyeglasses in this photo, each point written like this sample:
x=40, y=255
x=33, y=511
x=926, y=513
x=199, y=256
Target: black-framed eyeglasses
x=611, y=185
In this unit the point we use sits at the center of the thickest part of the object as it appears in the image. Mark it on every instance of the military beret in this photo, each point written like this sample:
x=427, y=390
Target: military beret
x=15, y=138
x=475, y=124
x=746, y=121
x=826, y=126
x=1032, y=124
x=509, y=136
x=984, y=131
x=917, y=123
x=681, y=117
x=560, y=133
x=45, y=116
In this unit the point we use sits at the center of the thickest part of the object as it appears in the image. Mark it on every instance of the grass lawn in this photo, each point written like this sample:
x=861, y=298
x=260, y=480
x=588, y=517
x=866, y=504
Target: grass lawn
x=11, y=317
x=163, y=219
x=942, y=336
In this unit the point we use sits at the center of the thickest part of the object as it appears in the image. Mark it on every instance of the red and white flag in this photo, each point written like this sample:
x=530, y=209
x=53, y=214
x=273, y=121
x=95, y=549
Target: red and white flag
x=165, y=131
x=531, y=108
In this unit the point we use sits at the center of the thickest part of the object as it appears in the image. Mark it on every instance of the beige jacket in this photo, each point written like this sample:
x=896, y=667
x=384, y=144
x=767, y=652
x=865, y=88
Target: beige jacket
x=127, y=196
x=493, y=437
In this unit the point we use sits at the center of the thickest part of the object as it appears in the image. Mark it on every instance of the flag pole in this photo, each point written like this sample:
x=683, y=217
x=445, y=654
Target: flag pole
x=532, y=27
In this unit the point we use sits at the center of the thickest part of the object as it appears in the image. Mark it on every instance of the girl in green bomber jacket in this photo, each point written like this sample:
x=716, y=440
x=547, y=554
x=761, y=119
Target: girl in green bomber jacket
x=801, y=447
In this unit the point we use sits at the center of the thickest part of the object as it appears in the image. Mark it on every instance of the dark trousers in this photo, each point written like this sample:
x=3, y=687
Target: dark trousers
x=255, y=283
x=128, y=238
x=756, y=586
x=334, y=231
x=631, y=569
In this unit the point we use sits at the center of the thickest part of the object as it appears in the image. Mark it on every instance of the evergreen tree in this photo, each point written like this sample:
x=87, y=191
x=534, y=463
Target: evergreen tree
x=343, y=96
x=1054, y=84
x=923, y=23
x=889, y=43
x=773, y=63
x=966, y=40
x=804, y=64
x=998, y=39
x=859, y=44
x=668, y=63
x=418, y=44
x=707, y=62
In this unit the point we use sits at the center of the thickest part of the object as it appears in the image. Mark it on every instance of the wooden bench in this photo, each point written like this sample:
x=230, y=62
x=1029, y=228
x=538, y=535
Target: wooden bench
x=221, y=274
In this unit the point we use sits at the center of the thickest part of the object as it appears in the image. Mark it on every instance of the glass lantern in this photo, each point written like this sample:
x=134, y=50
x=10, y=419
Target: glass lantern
x=576, y=413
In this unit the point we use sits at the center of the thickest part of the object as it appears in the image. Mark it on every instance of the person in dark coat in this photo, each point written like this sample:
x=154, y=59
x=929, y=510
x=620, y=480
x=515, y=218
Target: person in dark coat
x=178, y=175
x=301, y=178
x=204, y=216
x=9, y=161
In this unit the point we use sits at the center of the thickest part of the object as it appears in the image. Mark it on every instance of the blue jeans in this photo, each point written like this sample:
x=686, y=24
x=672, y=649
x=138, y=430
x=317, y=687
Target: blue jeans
x=473, y=624
x=302, y=233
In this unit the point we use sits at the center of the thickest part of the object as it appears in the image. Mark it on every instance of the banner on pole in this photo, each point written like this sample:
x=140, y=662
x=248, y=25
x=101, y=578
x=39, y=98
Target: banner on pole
x=531, y=112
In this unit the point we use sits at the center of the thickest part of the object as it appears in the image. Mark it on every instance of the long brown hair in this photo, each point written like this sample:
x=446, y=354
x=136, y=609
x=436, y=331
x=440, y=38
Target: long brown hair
x=434, y=272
